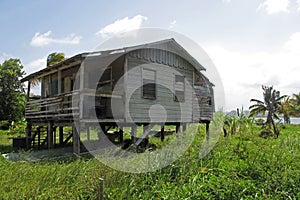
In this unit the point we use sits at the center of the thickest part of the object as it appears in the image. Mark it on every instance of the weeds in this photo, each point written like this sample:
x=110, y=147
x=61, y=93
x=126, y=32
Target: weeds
x=242, y=166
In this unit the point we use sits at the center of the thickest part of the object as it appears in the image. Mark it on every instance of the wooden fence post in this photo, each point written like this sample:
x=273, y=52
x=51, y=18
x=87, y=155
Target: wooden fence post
x=101, y=189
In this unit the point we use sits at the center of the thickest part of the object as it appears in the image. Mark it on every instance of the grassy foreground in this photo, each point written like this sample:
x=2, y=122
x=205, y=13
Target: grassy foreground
x=240, y=166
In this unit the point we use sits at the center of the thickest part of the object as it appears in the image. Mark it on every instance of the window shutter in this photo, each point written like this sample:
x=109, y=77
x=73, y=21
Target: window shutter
x=179, y=88
x=149, y=86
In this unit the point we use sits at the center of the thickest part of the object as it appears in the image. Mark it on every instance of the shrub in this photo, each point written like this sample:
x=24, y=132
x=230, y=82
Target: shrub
x=4, y=125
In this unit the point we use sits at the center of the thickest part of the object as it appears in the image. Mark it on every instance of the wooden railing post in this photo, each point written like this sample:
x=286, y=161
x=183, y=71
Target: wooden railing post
x=59, y=82
x=28, y=90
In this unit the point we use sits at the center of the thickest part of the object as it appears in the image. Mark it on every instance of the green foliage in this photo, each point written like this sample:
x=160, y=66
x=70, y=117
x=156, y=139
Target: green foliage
x=17, y=128
x=295, y=101
x=243, y=166
x=271, y=105
x=12, y=99
x=286, y=108
x=4, y=125
x=259, y=121
x=55, y=58
x=77, y=179
x=238, y=123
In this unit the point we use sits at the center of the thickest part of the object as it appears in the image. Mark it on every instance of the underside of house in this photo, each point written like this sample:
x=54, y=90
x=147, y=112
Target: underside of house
x=151, y=84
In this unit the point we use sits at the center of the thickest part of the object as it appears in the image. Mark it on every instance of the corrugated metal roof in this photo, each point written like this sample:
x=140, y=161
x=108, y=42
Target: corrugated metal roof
x=168, y=45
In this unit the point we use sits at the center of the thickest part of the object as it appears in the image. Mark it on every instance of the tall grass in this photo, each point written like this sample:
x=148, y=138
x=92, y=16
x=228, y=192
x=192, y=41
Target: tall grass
x=241, y=166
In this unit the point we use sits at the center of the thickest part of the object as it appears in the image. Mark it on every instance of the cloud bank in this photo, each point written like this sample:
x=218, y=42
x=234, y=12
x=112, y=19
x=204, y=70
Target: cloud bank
x=274, y=6
x=44, y=39
x=122, y=25
x=243, y=73
x=35, y=65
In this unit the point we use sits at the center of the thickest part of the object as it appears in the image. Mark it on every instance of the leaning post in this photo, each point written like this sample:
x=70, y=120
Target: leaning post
x=207, y=130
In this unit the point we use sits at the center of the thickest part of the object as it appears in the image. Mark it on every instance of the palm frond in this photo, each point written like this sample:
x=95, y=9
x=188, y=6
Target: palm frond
x=257, y=101
x=257, y=110
x=258, y=106
x=276, y=116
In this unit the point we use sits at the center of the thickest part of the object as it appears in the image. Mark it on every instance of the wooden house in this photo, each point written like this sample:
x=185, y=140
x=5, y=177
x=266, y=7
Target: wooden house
x=118, y=88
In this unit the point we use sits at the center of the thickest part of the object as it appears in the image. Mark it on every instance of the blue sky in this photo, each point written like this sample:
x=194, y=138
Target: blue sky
x=251, y=42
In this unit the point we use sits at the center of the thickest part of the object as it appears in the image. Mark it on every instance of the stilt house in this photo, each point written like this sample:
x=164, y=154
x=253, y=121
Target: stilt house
x=154, y=83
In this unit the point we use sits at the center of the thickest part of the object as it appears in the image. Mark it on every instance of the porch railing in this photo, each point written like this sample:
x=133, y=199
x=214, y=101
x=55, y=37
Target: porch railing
x=58, y=107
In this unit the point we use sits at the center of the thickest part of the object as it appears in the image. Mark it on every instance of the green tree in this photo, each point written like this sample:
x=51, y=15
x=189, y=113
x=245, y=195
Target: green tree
x=54, y=58
x=287, y=109
x=237, y=123
x=12, y=96
x=296, y=105
x=270, y=104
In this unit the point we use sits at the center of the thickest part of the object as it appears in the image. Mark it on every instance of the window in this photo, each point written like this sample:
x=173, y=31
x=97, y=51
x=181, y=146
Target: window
x=149, y=86
x=179, y=88
x=54, y=84
x=106, y=81
x=209, y=101
x=198, y=80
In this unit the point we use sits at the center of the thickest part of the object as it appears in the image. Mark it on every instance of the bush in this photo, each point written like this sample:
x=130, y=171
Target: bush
x=4, y=125
x=259, y=121
x=266, y=133
x=17, y=127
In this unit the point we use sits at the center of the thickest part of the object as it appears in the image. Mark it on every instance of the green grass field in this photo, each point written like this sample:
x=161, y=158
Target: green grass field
x=242, y=166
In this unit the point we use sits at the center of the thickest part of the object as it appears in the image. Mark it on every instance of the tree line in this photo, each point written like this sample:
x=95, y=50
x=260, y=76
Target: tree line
x=12, y=90
x=274, y=104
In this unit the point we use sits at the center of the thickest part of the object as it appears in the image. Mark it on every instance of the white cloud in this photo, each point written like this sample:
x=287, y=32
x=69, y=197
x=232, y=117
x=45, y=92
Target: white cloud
x=298, y=2
x=173, y=24
x=43, y=39
x=244, y=73
x=226, y=1
x=35, y=65
x=122, y=25
x=274, y=6
x=293, y=44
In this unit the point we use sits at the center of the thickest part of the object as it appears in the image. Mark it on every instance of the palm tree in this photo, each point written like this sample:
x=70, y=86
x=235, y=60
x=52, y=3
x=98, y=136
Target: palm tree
x=54, y=58
x=287, y=109
x=270, y=105
x=296, y=105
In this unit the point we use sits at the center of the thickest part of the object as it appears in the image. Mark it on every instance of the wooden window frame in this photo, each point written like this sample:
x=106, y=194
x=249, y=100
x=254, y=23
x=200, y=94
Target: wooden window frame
x=183, y=81
x=144, y=96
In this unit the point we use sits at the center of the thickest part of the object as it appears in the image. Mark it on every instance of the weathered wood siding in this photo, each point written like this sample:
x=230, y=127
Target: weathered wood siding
x=166, y=65
x=203, y=104
x=197, y=103
x=102, y=96
x=50, y=83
